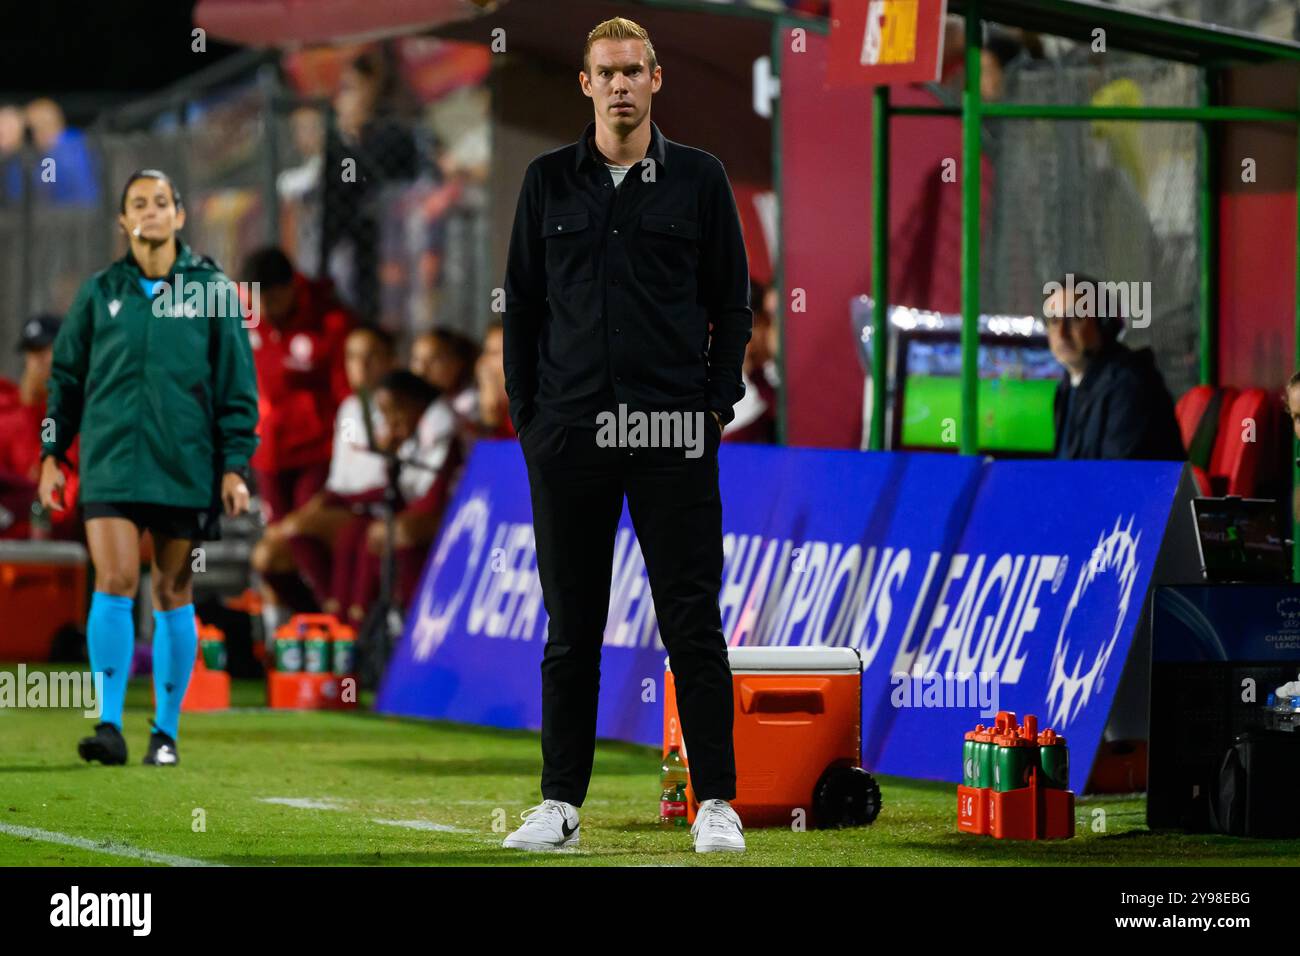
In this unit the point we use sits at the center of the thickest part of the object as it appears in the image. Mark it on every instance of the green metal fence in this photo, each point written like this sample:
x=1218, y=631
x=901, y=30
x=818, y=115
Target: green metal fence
x=1205, y=49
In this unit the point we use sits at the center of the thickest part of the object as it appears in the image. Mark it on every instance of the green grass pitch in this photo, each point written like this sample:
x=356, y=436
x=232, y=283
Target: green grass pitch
x=364, y=789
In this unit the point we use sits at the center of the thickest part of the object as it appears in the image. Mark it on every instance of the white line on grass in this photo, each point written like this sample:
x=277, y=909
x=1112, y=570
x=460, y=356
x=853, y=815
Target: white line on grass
x=327, y=803
x=113, y=849
x=304, y=803
x=423, y=825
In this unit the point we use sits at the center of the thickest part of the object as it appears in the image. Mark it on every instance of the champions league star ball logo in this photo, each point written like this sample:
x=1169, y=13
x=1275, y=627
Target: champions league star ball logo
x=468, y=528
x=1073, y=677
x=1289, y=610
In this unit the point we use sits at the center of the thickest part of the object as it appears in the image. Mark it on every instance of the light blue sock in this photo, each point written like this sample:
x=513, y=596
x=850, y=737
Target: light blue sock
x=110, y=638
x=175, y=642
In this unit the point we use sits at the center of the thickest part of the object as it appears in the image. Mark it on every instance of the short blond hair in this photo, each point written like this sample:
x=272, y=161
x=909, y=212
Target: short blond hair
x=619, y=28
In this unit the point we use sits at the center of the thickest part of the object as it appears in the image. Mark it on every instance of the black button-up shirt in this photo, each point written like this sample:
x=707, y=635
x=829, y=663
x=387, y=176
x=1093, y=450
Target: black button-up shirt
x=610, y=292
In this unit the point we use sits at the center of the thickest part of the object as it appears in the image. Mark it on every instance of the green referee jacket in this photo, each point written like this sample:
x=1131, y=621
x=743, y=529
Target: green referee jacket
x=165, y=399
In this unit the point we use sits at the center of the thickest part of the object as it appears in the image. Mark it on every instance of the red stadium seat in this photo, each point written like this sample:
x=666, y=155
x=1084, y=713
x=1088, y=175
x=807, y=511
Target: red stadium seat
x=1189, y=410
x=1200, y=437
x=1238, y=465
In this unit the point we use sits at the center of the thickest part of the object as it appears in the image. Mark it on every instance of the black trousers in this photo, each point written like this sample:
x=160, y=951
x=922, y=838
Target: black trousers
x=577, y=496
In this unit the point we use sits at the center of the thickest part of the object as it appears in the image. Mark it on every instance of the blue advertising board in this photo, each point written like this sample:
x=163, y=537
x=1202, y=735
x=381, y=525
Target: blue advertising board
x=963, y=585
x=1040, y=600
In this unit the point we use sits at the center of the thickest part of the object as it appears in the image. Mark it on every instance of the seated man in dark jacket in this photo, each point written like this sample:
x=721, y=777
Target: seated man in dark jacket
x=1111, y=402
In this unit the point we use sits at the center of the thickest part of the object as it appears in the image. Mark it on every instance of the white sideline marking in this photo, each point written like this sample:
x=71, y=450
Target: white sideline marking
x=326, y=803
x=304, y=803
x=423, y=825
x=113, y=849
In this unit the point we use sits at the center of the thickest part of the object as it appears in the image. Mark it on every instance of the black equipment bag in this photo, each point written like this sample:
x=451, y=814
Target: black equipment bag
x=1257, y=787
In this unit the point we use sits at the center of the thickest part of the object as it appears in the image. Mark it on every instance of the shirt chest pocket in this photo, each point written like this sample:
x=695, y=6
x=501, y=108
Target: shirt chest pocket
x=569, y=256
x=668, y=250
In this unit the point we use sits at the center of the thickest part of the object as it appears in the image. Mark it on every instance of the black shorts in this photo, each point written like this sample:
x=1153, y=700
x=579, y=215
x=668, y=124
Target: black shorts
x=165, y=521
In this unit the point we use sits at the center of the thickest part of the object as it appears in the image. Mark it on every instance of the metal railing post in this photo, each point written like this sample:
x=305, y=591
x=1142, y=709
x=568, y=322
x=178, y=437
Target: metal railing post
x=970, y=234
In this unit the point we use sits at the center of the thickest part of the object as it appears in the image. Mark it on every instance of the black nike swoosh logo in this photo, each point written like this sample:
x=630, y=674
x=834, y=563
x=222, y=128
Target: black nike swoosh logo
x=567, y=830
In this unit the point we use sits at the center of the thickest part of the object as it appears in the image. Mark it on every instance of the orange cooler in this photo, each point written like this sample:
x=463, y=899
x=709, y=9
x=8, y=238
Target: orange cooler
x=43, y=585
x=798, y=713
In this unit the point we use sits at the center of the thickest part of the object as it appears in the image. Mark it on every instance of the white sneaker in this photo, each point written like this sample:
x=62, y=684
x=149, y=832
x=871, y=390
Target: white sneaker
x=717, y=829
x=551, y=825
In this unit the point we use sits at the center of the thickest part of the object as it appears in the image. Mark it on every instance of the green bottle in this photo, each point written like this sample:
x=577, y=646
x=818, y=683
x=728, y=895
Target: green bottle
x=1054, y=760
x=968, y=758
x=672, y=790
x=316, y=651
x=344, y=654
x=214, y=653
x=288, y=653
x=977, y=757
x=1012, y=759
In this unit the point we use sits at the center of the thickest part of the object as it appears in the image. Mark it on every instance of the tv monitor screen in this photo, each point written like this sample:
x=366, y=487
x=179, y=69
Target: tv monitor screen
x=1017, y=382
x=1241, y=539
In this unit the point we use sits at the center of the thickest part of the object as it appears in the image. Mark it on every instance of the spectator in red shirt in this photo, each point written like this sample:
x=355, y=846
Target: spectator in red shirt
x=755, y=413
x=296, y=552
x=419, y=428
x=490, y=375
x=297, y=336
x=22, y=412
x=445, y=359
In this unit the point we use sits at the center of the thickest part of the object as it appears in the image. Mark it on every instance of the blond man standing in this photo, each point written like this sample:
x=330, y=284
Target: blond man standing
x=627, y=298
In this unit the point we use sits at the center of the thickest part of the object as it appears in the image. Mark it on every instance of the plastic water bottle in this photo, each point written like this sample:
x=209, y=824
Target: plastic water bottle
x=41, y=526
x=1288, y=713
x=1282, y=712
x=672, y=790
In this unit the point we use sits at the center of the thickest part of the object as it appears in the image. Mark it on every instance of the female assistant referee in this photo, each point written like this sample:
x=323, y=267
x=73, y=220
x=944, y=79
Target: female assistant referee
x=165, y=402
